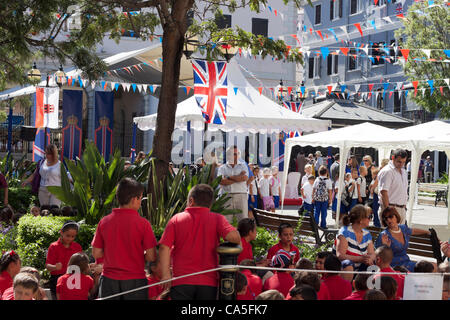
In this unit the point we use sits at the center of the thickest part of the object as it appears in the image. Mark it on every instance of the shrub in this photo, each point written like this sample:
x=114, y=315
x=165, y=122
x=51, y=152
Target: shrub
x=35, y=234
x=20, y=198
x=8, y=239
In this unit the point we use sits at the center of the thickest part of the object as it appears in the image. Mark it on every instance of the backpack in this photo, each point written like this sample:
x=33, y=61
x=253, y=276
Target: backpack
x=321, y=193
x=347, y=197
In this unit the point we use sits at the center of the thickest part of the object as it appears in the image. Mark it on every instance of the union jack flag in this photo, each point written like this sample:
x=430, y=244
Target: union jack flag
x=211, y=89
x=294, y=106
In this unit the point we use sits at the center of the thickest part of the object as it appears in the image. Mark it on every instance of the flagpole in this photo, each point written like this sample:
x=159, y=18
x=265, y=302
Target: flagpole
x=45, y=128
x=9, y=132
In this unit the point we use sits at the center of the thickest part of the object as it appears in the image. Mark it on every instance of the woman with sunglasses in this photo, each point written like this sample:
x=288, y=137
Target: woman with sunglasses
x=396, y=236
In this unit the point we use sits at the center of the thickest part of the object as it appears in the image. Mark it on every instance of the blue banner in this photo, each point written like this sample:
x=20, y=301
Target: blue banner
x=72, y=124
x=104, y=117
x=39, y=141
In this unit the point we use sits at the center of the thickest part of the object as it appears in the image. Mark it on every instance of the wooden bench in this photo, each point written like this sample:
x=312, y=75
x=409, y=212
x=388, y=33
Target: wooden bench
x=309, y=228
x=422, y=246
x=440, y=191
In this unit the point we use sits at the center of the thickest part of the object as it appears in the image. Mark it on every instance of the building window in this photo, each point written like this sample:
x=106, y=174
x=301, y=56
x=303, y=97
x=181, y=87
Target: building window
x=397, y=101
x=260, y=27
x=314, y=67
x=392, y=52
x=355, y=6
x=318, y=18
x=332, y=64
x=380, y=105
x=224, y=21
x=353, y=60
x=311, y=67
x=335, y=9
x=317, y=66
x=377, y=52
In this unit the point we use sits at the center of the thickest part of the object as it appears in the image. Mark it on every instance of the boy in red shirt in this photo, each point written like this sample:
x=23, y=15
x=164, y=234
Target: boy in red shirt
x=254, y=283
x=360, y=284
x=25, y=286
x=77, y=285
x=281, y=280
x=125, y=240
x=286, y=235
x=334, y=287
x=192, y=237
x=154, y=276
x=384, y=256
x=247, y=231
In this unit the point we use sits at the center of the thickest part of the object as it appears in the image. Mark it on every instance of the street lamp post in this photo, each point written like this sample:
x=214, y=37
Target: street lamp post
x=281, y=91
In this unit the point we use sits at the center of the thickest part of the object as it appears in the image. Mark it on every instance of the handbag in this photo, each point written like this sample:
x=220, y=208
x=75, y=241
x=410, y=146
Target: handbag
x=347, y=200
x=36, y=182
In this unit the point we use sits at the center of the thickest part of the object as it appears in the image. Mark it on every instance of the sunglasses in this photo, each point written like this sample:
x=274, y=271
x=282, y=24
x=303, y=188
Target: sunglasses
x=389, y=216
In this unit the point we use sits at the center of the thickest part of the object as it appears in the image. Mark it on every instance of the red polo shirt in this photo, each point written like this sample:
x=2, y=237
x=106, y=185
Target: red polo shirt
x=247, y=251
x=399, y=278
x=279, y=246
x=66, y=293
x=5, y=281
x=57, y=252
x=334, y=287
x=254, y=286
x=194, y=236
x=155, y=291
x=124, y=236
x=8, y=294
x=281, y=281
x=357, y=295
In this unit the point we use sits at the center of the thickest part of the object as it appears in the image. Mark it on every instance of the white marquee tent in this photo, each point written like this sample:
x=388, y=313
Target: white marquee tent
x=364, y=135
x=247, y=111
x=433, y=135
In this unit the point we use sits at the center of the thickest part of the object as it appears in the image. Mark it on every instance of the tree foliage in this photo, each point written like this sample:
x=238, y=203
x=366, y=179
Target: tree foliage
x=427, y=28
x=32, y=28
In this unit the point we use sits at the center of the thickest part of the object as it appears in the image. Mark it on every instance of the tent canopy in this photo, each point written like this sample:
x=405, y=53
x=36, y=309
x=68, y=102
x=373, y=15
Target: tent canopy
x=247, y=111
x=433, y=135
x=366, y=135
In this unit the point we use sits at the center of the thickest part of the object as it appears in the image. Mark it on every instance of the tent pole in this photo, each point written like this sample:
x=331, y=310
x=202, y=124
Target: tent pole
x=287, y=157
x=342, y=161
x=415, y=162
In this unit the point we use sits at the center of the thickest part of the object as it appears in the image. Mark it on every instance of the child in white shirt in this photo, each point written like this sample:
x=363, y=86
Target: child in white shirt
x=275, y=186
x=266, y=192
x=306, y=191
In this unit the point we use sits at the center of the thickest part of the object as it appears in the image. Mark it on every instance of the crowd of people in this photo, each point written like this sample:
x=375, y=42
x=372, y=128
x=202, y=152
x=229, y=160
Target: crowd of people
x=126, y=255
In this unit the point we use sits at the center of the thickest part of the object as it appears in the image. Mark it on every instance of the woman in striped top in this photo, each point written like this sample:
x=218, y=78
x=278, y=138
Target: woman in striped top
x=354, y=246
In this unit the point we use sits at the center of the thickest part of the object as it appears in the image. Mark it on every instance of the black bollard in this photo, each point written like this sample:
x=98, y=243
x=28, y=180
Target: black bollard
x=228, y=253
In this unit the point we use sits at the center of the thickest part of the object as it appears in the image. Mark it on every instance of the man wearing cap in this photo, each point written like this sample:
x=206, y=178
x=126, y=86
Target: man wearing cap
x=318, y=162
x=393, y=184
x=428, y=165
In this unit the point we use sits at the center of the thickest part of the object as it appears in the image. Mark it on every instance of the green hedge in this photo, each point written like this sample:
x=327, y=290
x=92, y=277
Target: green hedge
x=35, y=234
x=20, y=198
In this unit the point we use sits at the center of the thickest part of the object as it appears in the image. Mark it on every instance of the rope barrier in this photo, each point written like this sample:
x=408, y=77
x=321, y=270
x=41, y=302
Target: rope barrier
x=159, y=283
x=224, y=267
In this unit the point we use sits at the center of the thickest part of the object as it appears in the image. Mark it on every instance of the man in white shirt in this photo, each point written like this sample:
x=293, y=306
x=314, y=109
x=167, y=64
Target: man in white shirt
x=393, y=184
x=234, y=181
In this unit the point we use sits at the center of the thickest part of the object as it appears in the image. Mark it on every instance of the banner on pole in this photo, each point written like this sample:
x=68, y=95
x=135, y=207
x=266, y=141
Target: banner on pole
x=47, y=102
x=72, y=124
x=104, y=117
